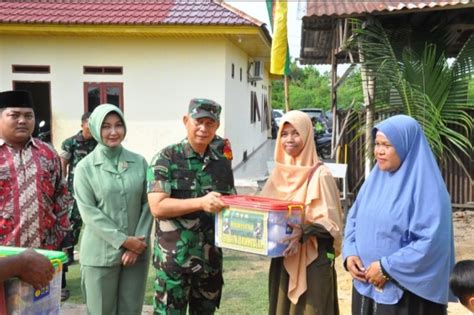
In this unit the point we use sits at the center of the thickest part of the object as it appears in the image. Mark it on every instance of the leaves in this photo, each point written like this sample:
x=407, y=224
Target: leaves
x=310, y=88
x=422, y=83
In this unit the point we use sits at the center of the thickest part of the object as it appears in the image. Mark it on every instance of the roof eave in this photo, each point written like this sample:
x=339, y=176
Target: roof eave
x=252, y=39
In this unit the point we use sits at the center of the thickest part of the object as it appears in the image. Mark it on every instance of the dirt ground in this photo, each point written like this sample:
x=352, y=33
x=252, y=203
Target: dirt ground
x=464, y=243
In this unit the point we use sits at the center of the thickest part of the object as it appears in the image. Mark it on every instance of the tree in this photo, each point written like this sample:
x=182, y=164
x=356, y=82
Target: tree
x=310, y=88
x=414, y=77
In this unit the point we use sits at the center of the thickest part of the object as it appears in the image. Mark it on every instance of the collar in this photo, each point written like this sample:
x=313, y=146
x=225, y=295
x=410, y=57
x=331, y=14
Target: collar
x=31, y=141
x=79, y=137
x=100, y=158
x=125, y=158
x=189, y=152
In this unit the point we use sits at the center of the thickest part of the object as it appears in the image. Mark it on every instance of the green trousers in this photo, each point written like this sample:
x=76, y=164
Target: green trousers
x=114, y=290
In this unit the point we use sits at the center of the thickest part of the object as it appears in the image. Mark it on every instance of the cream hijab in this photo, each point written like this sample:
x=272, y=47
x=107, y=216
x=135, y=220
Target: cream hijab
x=289, y=180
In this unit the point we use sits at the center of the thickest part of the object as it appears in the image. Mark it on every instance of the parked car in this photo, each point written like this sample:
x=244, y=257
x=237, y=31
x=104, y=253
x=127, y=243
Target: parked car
x=329, y=116
x=277, y=114
x=322, y=134
x=317, y=113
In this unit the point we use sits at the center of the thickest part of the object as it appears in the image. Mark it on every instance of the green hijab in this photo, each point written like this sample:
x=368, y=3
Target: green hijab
x=95, y=123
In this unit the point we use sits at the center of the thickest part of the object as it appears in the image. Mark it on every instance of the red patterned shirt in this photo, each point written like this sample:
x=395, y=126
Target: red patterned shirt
x=34, y=199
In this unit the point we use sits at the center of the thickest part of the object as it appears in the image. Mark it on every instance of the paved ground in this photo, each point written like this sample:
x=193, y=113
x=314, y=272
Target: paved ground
x=255, y=170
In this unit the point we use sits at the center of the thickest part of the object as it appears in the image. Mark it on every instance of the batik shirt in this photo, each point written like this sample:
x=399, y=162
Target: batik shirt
x=186, y=244
x=34, y=199
x=75, y=149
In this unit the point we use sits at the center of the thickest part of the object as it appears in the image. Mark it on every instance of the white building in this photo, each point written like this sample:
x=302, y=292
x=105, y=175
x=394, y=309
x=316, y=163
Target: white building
x=148, y=57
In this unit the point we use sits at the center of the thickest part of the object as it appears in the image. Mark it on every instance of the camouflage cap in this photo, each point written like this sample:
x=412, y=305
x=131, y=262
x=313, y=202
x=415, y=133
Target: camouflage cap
x=201, y=107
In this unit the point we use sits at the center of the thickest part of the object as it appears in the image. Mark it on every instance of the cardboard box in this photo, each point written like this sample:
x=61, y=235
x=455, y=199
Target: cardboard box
x=256, y=224
x=22, y=299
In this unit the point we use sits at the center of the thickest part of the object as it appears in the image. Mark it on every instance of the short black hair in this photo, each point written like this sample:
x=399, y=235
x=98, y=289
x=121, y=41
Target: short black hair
x=85, y=116
x=461, y=280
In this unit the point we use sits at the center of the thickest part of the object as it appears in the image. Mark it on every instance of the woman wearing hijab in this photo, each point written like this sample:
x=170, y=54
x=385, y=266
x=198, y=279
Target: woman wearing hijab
x=398, y=243
x=110, y=189
x=304, y=280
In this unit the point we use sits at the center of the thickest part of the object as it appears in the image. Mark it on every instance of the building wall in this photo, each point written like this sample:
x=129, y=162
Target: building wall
x=159, y=78
x=244, y=135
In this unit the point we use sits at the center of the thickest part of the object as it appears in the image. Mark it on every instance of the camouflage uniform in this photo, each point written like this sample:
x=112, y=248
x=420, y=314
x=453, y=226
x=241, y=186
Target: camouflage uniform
x=188, y=265
x=75, y=149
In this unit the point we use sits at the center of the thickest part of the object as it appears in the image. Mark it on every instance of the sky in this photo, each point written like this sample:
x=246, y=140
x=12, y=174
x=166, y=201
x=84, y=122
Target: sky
x=296, y=10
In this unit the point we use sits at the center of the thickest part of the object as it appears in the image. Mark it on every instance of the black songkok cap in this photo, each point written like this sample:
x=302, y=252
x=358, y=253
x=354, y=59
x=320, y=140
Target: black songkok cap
x=16, y=99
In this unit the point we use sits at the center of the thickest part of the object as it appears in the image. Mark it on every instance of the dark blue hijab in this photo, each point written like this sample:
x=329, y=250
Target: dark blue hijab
x=403, y=218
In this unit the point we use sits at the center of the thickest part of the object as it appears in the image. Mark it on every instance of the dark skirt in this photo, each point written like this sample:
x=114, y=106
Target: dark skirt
x=410, y=304
x=319, y=298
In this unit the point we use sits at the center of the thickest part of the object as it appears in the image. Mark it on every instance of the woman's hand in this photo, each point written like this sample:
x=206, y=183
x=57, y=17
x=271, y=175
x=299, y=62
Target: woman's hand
x=293, y=240
x=356, y=268
x=129, y=258
x=374, y=275
x=135, y=244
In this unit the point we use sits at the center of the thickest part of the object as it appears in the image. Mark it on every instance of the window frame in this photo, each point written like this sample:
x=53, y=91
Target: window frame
x=102, y=70
x=16, y=68
x=103, y=95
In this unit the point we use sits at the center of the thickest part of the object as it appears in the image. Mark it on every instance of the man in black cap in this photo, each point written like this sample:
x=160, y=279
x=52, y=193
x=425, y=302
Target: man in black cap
x=34, y=199
x=185, y=181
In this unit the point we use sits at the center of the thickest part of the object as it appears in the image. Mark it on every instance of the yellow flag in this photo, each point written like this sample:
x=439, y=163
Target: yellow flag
x=280, y=57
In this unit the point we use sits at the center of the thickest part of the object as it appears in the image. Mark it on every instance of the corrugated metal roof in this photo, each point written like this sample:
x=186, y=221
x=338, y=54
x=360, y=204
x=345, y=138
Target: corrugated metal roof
x=123, y=12
x=319, y=24
x=348, y=7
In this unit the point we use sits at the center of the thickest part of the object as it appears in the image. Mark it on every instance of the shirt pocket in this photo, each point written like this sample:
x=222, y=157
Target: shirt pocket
x=183, y=180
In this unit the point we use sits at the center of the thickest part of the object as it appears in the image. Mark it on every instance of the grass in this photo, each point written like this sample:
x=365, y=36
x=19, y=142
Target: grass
x=245, y=288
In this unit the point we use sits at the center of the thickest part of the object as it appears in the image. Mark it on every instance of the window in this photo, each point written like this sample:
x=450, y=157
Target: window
x=233, y=71
x=254, y=111
x=30, y=69
x=240, y=74
x=103, y=70
x=96, y=93
x=266, y=120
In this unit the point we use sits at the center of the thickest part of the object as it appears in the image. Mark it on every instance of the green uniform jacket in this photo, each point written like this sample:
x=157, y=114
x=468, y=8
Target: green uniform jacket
x=113, y=205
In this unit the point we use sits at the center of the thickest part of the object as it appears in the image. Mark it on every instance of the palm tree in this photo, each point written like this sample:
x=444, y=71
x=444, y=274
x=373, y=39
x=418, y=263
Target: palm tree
x=413, y=76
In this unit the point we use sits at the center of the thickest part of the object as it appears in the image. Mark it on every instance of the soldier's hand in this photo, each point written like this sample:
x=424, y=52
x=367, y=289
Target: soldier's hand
x=211, y=202
x=135, y=244
x=35, y=269
x=129, y=258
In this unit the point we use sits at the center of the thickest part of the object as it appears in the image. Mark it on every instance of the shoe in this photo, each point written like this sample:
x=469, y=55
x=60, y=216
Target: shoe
x=65, y=294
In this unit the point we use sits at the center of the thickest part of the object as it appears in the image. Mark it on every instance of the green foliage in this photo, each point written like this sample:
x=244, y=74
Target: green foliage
x=350, y=90
x=418, y=81
x=470, y=96
x=309, y=88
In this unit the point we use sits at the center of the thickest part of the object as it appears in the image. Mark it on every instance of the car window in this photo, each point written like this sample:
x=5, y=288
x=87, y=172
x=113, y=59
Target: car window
x=276, y=114
x=313, y=114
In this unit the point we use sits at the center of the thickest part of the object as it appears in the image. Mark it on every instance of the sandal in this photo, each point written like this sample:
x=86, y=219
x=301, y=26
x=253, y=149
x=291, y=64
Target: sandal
x=65, y=294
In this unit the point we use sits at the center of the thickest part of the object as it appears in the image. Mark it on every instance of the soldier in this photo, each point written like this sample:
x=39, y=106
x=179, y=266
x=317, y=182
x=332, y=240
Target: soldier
x=185, y=181
x=75, y=149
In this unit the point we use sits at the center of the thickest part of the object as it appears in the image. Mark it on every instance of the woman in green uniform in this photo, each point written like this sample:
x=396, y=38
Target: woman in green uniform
x=110, y=187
